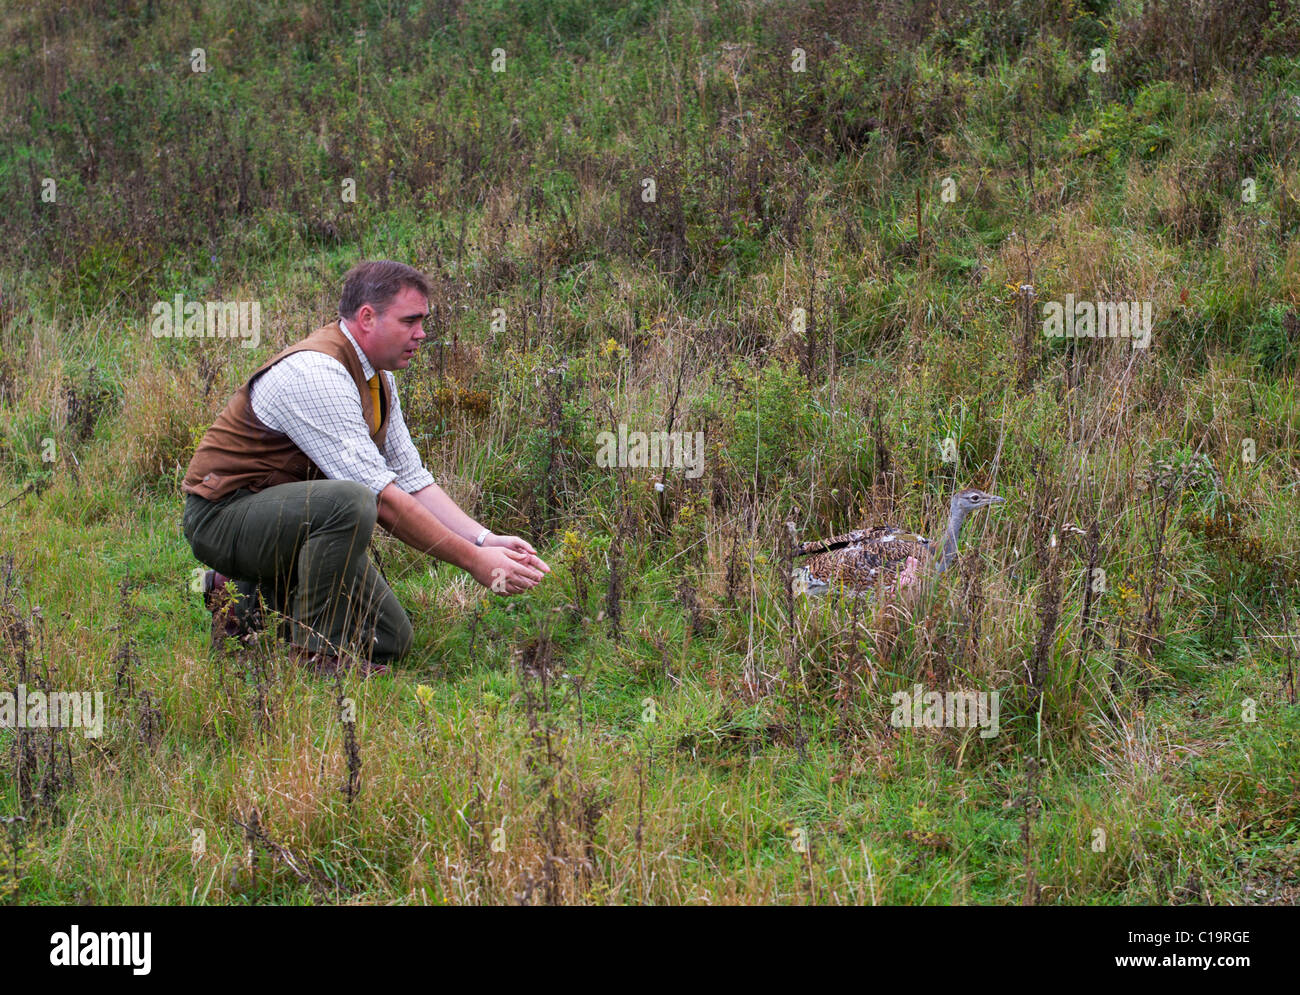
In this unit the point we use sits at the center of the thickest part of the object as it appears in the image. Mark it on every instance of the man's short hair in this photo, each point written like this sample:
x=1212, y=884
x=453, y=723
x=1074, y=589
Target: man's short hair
x=376, y=283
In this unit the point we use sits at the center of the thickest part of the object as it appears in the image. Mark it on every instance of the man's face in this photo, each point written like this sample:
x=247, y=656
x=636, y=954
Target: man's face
x=390, y=339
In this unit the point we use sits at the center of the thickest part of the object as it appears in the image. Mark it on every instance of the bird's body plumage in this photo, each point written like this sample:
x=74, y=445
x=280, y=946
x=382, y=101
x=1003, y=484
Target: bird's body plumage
x=861, y=558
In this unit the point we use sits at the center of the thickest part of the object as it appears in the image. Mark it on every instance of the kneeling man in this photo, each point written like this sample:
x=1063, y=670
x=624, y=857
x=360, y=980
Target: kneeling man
x=284, y=490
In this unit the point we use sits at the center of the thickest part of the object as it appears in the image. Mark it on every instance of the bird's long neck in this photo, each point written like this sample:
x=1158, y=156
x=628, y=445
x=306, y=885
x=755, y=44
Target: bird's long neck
x=955, y=519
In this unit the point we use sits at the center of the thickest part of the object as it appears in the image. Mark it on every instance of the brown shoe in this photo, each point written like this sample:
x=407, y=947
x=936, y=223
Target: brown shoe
x=326, y=665
x=226, y=621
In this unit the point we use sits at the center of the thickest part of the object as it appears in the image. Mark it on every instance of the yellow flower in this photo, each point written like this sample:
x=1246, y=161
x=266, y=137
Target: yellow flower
x=575, y=547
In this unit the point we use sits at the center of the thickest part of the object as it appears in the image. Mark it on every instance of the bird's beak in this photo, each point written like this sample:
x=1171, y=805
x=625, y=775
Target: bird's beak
x=999, y=500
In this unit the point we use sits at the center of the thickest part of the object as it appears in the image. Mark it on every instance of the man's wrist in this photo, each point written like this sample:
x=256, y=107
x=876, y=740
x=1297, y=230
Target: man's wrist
x=482, y=537
x=470, y=557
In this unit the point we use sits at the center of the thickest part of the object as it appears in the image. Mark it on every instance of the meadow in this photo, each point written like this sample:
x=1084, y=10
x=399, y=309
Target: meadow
x=823, y=235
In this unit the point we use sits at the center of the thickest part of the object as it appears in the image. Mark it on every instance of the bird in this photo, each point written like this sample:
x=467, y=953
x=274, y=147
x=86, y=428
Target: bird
x=856, y=561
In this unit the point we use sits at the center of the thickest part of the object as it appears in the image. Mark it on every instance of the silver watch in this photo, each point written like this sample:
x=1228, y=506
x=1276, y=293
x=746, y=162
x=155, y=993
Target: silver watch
x=481, y=536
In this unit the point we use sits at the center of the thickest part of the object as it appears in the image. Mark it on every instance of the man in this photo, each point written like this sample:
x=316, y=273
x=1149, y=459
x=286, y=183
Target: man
x=284, y=490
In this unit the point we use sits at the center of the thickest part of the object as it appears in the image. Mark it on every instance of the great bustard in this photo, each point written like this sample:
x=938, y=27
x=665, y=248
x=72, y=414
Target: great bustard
x=857, y=561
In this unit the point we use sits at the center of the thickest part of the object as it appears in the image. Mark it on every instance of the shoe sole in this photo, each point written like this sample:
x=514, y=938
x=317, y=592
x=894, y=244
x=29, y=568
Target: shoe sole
x=224, y=625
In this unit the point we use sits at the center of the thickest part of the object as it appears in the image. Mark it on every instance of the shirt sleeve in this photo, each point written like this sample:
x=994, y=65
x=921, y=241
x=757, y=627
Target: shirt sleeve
x=399, y=451
x=312, y=399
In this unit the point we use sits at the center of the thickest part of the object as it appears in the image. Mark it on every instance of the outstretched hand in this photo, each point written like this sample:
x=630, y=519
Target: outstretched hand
x=505, y=570
x=521, y=546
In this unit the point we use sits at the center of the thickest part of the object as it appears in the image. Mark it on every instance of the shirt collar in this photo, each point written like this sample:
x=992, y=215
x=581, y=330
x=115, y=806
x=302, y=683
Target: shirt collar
x=366, y=368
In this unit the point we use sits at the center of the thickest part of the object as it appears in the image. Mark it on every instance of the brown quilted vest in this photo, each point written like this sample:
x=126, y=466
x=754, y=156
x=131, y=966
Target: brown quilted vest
x=240, y=451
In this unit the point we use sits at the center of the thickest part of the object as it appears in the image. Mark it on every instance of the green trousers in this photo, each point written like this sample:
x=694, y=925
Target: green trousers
x=302, y=547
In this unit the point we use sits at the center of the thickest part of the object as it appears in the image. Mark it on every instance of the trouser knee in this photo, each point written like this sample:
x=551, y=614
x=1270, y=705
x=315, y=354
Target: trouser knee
x=355, y=504
x=395, y=636
x=403, y=637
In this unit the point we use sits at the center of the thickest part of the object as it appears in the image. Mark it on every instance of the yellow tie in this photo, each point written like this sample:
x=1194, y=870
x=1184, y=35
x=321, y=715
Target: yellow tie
x=374, y=398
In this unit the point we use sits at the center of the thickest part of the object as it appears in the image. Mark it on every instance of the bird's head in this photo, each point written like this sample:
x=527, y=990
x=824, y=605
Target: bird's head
x=964, y=502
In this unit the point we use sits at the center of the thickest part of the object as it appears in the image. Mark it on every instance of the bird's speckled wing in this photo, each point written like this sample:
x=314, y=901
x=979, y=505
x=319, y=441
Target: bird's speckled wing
x=847, y=539
x=881, y=553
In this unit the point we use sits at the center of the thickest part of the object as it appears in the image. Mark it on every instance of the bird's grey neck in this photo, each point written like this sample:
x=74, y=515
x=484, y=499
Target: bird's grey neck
x=956, y=517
